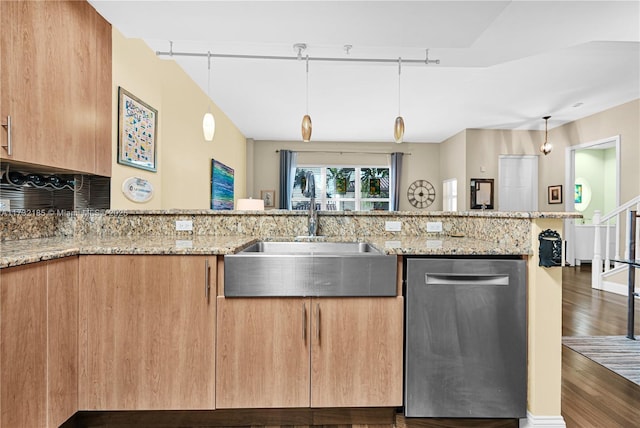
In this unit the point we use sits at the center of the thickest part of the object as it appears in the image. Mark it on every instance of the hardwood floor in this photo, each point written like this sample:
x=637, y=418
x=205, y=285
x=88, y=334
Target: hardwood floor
x=593, y=396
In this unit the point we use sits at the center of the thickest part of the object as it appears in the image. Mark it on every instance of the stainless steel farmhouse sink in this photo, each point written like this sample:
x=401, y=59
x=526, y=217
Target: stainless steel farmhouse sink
x=326, y=269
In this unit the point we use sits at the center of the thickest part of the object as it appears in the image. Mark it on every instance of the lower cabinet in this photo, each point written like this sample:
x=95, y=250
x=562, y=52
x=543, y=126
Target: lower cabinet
x=146, y=332
x=38, y=343
x=309, y=352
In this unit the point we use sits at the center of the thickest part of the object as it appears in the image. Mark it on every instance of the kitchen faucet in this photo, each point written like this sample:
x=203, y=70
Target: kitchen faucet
x=309, y=191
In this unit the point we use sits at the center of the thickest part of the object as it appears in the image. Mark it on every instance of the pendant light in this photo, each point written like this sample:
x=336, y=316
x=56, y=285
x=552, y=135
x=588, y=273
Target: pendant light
x=546, y=147
x=208, y=122
x=306, y=120
x=398, y=128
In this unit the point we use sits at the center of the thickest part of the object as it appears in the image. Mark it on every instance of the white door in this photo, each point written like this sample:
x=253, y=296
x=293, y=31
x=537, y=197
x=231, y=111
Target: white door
x=518, y=183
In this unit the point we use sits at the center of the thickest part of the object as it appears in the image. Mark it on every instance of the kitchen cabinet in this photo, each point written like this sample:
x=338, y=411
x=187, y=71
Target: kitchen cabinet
x=309, y=352
x=38, y=346
x=147, y=332
x=56, y=87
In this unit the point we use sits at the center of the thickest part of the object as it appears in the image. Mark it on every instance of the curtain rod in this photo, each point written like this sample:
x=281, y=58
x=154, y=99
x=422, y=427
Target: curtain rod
x=298, y=57
x=347, y=151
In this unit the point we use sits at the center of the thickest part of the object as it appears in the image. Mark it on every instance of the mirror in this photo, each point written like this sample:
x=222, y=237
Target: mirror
x=481, y=193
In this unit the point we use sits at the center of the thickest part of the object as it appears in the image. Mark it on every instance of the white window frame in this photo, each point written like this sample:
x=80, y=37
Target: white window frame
x=357, y=199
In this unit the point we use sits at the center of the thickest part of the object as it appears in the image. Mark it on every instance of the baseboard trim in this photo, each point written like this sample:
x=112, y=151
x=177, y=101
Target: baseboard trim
x=616, y=288
x=533, y=421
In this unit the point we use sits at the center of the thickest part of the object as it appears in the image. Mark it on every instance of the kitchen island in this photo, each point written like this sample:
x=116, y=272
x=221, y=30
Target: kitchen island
x=31, y=239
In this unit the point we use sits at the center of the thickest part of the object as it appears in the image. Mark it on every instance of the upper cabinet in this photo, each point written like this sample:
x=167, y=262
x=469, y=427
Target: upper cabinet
x=56, y=86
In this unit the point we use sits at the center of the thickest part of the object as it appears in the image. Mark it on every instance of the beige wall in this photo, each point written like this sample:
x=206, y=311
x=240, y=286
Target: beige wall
x=453, y=164
x=184, y=158
x=468, y=153
x=623, y=120
x=421, y=161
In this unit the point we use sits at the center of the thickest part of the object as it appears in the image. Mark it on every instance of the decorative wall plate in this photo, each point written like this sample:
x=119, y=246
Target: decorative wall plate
x=137, y=189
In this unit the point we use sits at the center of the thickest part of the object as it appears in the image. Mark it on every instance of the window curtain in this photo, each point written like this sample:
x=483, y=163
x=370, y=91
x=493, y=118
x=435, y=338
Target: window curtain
x=394, y=187
x=288, y=163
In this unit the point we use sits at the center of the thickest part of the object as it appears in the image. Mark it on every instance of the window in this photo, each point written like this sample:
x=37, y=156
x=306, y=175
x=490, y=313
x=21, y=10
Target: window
x=344, y=188
x=450, y=195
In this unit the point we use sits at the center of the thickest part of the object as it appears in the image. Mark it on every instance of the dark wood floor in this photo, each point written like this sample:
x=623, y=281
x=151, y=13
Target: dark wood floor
x=593, y=396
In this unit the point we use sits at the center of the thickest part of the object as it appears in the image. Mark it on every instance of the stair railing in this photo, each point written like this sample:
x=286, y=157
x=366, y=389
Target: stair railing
x=612, y=219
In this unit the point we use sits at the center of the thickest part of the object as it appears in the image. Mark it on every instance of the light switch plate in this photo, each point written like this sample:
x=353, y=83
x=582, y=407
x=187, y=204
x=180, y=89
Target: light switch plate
x=434, y=226
x=184, y=225
x=393, y=226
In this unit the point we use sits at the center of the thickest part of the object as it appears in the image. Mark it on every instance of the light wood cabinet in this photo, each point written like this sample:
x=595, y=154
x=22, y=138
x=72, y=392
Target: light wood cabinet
x=56, y=87
x=356, y=357
x=38, y=346
x=147, y=332
x=303, y=352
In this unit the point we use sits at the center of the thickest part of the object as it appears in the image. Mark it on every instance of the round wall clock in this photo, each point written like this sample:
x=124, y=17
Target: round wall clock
x=421, y=194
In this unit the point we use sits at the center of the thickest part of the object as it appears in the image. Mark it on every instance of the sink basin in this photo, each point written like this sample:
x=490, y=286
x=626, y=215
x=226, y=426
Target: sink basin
x=317, y=248
x=324, y=269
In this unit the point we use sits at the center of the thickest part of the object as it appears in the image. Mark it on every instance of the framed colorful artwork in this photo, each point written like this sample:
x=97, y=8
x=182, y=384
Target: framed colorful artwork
x=137, y=132
x=221, y=186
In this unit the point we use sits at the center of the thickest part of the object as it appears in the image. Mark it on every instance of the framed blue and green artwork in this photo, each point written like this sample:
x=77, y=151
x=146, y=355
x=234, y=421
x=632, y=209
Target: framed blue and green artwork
x=221, y=186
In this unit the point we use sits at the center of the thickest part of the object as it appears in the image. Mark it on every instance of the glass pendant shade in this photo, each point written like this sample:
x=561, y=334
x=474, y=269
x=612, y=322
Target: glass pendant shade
x=546, y=147
x=306, y=128
x=398, y=130
x=208, y=126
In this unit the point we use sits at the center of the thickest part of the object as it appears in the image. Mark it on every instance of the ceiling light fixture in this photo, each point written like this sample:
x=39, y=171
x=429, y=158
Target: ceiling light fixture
x=398, y=128
x=546, y=147
x=306, y=119
x=208, y=122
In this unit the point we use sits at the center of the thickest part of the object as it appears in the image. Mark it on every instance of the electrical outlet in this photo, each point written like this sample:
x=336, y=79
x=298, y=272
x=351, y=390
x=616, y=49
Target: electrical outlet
x=5, y=204
x=434, y=226
x=184, y=225
x=393, y=226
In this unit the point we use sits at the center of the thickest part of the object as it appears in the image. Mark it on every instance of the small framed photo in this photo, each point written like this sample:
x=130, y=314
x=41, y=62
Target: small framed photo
x=269, y=198
x=555, y=194
x=137, y=132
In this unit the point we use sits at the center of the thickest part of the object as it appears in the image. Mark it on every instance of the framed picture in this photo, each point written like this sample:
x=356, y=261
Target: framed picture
x=221, y=186
x=269, y=198
x=554, y=194
x=137, y=132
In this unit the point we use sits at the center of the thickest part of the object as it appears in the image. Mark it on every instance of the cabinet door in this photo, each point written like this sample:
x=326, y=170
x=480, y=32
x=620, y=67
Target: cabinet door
x=23, y=344
x=262, y=353
x=49, y=86
x=146, y=332
x=62, y=339
x=356, y=354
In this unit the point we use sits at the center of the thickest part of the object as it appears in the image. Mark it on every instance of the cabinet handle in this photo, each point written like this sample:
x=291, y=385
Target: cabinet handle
x=207, y=287
x=8, y=145
x=318, y=322
x=304, y=322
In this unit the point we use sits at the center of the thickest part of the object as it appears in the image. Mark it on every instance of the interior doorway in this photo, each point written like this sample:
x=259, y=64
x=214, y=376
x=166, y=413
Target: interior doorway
x=592, y=180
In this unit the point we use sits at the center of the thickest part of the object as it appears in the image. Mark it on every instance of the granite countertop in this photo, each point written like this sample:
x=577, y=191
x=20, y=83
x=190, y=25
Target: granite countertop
x=19, y=252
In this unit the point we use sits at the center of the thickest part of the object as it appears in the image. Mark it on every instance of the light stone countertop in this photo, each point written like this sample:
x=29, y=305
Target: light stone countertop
x=20, y=252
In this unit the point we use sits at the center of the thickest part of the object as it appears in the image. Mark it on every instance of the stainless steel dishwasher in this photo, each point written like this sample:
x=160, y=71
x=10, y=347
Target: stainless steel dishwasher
x=466, y=338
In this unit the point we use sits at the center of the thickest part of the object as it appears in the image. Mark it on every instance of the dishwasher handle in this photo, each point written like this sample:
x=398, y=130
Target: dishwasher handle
x=466, y=279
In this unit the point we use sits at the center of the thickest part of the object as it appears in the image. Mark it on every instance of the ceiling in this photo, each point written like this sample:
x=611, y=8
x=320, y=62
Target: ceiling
x=503, y=64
